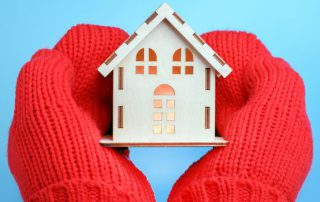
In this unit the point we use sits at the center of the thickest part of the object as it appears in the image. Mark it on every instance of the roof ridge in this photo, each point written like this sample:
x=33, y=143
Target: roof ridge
x=162, y=13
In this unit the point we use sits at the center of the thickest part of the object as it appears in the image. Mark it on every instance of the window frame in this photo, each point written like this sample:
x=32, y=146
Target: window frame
x=208, y=78
x=182, y=58
x=120, y=116
x=120, y=78
x=146, y=58
x=207, y=117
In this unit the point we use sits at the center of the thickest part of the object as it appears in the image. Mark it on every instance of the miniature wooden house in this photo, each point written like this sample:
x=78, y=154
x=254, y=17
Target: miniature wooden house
x=164, y=86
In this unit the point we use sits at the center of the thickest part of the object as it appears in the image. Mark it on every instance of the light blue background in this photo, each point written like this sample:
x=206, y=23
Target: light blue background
x=290, y=29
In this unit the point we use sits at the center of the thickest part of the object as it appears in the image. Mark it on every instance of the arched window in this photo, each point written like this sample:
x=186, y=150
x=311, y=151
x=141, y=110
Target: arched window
x=182, y=59
x=164, y=89
x=146, y=59
x=164, y=110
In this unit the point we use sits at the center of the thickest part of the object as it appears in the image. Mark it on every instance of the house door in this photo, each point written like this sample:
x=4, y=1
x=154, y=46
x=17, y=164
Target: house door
x=164, y=110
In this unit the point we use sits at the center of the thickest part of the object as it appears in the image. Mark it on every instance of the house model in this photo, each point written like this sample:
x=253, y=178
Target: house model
x=164, y=86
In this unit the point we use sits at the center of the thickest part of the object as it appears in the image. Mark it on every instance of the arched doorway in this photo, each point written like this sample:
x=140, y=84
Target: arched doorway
x=164, y=110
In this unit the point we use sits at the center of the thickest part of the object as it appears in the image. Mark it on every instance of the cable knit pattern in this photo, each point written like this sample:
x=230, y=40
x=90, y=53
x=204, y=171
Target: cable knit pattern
x=261, y=111
x=63, y=106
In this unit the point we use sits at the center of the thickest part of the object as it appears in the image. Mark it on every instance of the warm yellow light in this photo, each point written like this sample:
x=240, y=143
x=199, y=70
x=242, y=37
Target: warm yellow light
x=157, y=103
x=157, y=129
x=170, y=129
x=170, y=103
x=157, y=116
x=170, y=116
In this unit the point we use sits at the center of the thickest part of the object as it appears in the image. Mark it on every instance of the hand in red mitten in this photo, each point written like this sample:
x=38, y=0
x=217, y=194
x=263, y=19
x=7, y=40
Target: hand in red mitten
x=63, y=106
x=261, y=111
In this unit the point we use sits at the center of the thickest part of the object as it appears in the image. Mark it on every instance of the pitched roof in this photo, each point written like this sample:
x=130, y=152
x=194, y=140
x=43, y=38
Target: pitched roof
x=162, y=13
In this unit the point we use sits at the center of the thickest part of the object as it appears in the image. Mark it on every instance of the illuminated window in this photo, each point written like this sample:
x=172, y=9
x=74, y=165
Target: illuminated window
x=157, y=116
x=170, y=103
x=157, y=103
x=152, y=70
x=146, y=59
x=164, y=89
x=189, y=70
x=189, y=55
x=157, y=129
x=177, y=55
x=140, y=55
x=170, y=116
x=164, y=110
x=182, y=58
x=170, y=129
x=152, y=55
x=176, y=70
x=139, y=69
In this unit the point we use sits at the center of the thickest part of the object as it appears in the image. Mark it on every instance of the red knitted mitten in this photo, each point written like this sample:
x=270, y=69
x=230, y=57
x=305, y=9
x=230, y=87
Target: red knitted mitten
x=63, y=105
x=261, y=111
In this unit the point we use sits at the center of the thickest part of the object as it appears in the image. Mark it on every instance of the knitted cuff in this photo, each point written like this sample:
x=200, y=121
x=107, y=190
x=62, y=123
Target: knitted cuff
x=229, y=189
x=88, y=190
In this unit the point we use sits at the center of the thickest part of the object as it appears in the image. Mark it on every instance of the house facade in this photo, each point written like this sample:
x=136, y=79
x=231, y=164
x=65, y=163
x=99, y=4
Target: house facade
x=164, y=84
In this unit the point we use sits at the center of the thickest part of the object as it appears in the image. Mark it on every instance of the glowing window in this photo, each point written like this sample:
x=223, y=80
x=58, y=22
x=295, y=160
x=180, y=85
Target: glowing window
x=152, y=70
x=182, y=58
x=157, y=103
x=157, y=116
x=164, y=110
x=157, y=129
x=146, y=59
x=170, y=103
x=164, y=89
x=140, y=55
x=176, y=70
x=177, y=55
x=189, y=55
x=170, y=129
x=170, y=116
x=189, y=70
x=139, y=69
x=152, y=55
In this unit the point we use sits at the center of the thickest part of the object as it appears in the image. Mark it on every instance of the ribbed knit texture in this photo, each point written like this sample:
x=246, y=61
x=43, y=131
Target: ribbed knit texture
x=63, y=106
x=260, y=109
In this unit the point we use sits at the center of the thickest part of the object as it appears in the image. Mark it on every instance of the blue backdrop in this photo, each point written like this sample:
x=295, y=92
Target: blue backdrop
x=289, y=28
